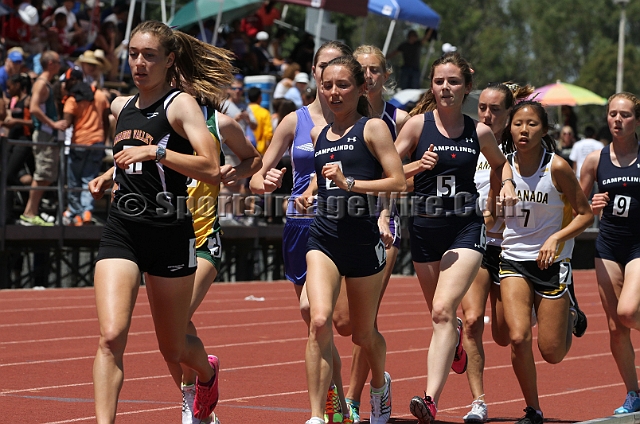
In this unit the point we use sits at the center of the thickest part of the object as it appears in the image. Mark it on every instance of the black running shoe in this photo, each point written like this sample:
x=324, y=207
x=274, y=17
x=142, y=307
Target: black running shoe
x=530, y=417
x=580, y=325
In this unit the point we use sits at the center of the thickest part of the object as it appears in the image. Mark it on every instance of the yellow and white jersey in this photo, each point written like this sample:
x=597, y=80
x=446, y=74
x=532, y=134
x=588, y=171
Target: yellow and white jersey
x=540, y=212
x=203, y=198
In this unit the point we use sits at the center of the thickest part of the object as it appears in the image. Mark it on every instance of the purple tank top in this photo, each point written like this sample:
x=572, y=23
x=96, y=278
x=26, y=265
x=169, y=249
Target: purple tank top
x=301, y=152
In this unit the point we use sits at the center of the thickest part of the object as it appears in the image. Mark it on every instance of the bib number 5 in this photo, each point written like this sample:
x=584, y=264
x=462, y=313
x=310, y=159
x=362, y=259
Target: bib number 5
x=446, y=185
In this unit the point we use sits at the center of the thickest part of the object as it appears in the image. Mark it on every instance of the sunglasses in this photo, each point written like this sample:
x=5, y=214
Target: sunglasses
x=237, y=88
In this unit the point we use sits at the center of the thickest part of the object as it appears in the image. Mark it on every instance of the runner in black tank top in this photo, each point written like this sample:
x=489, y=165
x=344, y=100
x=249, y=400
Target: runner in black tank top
x=157, y=133
x=162, y=188
x=447, y=239
x=364, y=148
x=616, y=170
x=343, y=215
x=377, y=74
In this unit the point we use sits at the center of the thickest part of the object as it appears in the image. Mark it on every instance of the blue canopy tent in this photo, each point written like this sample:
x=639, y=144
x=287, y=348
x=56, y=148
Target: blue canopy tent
x=414, y=11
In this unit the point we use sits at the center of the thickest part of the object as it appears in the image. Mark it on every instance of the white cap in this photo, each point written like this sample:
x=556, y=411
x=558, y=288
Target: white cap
x=301, y=77
x=262, y=35
x=28, y=14
x=448, y=48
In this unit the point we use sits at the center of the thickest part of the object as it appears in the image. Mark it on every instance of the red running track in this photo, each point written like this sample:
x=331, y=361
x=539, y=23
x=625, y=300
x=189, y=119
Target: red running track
x=48, y=339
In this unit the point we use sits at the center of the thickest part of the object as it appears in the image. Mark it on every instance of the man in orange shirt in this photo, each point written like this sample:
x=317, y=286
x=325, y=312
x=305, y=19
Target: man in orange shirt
x=87, y=109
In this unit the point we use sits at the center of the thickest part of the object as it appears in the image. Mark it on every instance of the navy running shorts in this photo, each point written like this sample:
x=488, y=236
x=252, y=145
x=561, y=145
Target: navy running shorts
x=396, y=230
x=352, y=260
x=294, y=249
x=491, y=262
x=432, y=237
x=550, y=283
x=162, y=251
x=618, y=248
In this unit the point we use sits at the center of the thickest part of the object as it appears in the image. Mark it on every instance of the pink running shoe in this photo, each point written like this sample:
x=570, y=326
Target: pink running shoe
x=207, y=396
x=423, y=409
x=459, y=364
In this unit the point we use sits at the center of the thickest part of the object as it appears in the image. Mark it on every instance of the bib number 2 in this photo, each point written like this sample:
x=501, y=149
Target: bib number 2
x=446, y=185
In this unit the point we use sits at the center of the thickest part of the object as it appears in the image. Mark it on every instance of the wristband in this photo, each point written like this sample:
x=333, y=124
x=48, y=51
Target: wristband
x=508, y=179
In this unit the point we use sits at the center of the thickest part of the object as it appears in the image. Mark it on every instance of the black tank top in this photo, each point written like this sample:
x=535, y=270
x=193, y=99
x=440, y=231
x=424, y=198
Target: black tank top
x=449, y=188
x=148, y=191
x=17, y=112
x=622, y=213
x=341, y=214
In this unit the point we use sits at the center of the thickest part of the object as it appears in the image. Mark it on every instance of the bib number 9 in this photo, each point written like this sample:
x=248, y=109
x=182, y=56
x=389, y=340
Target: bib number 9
x=446, y=185
x=621, y=206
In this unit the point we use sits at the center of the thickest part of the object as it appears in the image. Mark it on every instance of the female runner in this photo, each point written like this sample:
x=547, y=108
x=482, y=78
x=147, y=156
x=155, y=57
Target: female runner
x=294, y=134
x=377, y=73
x=351, y=156
x=535, y=264
x=157, y=132
x=494, y=105
x=616, y=169
x=447, y=236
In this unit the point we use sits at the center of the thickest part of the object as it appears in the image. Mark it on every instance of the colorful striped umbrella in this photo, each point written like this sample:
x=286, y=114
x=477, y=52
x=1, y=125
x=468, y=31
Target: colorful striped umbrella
x=564, y=94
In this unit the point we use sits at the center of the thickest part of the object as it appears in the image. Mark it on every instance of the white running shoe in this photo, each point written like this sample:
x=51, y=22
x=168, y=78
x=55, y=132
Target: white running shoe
x=188, y=396
x=315, y=420
x=381, y=402
x=478, y=413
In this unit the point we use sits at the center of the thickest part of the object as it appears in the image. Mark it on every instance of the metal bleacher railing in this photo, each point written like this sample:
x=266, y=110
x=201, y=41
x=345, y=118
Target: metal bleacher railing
x=63, y=256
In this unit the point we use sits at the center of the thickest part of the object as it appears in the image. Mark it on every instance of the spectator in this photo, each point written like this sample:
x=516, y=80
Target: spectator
x=47, y=125
x=264, y=129
x=275, y=48
x=569, y=118
x=87, y=110
x=236, y=107
x=106, y=41
x=268, y=13
x=238, y=42
x=92, y=67
x=303, y=52
x=58, y=36
x=17, y=28
x=18, y=120
x=604, y=135
x=301, y=81
x=410, y=50
x=19, y=124
x=251, y=25
x=72, y=26
x=287, y=80
x=582, y=148
x=265, y=63
x=309, y=95
x=565, y=144
x=11, y=67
